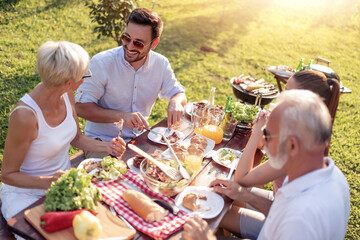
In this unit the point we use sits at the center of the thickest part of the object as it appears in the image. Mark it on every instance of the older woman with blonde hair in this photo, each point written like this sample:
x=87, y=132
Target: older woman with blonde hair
x=42, y=126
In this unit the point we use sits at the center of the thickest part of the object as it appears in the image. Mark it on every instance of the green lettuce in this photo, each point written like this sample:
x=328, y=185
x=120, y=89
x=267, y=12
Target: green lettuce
x=73, y=190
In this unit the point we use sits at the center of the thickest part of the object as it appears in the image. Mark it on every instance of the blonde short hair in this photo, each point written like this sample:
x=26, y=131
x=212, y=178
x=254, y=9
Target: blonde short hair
x=59, y=62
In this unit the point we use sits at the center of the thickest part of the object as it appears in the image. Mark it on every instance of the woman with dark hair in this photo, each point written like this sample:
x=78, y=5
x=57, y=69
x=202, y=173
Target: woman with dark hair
x=328, y=89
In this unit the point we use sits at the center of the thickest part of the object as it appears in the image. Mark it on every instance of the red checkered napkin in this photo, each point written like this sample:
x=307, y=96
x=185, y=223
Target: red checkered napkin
x=112, y=195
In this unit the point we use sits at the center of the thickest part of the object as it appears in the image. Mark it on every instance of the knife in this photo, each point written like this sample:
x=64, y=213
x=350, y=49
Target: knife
x=172, y=208
x=233, y=166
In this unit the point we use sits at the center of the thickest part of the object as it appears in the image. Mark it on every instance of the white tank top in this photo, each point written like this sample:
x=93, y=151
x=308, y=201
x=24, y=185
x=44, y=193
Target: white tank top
x=49, y=152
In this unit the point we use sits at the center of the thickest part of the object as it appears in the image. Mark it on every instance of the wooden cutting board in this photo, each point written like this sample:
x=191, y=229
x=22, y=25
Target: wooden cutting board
x=112, y=225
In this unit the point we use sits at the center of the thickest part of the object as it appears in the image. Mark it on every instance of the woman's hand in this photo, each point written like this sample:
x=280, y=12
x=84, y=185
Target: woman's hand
x=259, y=122
x=196, y=228
x=57, y=175
x=116, y=147
x=229, y=188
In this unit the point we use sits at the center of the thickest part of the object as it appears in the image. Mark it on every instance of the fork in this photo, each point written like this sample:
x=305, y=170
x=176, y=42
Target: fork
x=112, y=210
x=182, y=170
x=119, y=125
x=169, y=171
x=167, y=132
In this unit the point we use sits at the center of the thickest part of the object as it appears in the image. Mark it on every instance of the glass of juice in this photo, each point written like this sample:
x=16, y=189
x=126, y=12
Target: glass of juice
x=194, y=162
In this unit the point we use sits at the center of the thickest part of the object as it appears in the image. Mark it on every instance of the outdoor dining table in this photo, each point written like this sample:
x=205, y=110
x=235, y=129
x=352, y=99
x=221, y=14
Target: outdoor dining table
x=208, y=172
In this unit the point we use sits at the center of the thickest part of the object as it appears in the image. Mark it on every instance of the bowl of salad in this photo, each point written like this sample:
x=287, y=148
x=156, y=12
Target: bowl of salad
x=159, y=182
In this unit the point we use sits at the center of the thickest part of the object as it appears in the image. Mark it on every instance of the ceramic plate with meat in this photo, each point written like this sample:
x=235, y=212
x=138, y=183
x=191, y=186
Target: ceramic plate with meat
x=173, y=137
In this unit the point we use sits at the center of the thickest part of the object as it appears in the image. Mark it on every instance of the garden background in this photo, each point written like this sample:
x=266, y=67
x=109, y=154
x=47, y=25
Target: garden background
x=247, y=35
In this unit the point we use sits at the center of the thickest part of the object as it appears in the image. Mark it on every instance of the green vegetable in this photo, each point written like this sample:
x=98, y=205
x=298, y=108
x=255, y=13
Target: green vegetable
x=243, y=113
x=73, y=190
x=112, y=169
x=226, y=154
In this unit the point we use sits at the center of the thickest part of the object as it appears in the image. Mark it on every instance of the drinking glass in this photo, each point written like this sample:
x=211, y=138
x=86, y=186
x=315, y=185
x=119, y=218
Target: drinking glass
x=229, y=126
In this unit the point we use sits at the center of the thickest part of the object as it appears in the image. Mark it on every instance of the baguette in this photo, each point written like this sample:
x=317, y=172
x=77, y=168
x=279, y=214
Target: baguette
x=143, y=206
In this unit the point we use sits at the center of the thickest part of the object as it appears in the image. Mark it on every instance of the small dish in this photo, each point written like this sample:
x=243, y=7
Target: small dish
x=209, y=208
x=215, y=157
x=161, y=130
x=130, y=163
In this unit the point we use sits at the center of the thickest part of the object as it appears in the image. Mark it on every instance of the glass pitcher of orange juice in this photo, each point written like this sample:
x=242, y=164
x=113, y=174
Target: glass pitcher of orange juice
x=207, y=122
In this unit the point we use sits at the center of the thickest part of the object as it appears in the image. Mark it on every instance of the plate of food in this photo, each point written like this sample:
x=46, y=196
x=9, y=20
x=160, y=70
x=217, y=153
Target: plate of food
x=106, y=169
x=196, y=145
x=134, y=164
x=200, y=201
x=281, y=70
x=225, y=156
x=173, y=137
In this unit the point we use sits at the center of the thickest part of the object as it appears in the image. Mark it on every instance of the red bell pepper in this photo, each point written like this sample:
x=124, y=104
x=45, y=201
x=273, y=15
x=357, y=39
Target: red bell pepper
x=55, y=221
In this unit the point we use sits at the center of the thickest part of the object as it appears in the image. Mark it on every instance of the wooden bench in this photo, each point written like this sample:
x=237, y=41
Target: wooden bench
x=4, y=231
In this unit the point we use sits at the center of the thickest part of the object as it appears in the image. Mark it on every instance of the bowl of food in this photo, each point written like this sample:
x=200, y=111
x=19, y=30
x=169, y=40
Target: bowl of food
x=248, y=89
x=159, y=182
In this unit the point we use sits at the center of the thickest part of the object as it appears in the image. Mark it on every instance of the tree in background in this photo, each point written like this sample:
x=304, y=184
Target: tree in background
x=111, y=16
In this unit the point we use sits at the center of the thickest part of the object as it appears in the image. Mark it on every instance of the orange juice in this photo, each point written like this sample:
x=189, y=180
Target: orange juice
x=194, y=162
x=211, y=131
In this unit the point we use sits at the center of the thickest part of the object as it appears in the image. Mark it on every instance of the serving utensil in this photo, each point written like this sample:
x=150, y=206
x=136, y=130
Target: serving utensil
x=182, y=170
x=169, y=171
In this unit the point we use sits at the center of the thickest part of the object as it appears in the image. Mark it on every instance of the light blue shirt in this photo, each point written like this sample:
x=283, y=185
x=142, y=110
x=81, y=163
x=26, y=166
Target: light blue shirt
x=116, y=85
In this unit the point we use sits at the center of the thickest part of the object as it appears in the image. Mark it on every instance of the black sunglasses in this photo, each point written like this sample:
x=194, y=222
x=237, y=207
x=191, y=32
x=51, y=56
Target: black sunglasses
x=139, y=45
x=88, y=74
x=267, y=136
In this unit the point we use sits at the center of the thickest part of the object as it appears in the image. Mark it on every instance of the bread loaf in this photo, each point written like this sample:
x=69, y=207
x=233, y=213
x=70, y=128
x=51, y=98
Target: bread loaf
x=144, y=206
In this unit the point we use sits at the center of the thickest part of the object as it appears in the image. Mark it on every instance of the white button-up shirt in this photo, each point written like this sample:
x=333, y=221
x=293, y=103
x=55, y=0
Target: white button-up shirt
x=314, y=206
x=116, y=85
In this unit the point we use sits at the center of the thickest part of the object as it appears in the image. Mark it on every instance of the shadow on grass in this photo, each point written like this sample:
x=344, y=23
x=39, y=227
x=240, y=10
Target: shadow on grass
x=210, y=29
x=50, y=4
x=8, y=5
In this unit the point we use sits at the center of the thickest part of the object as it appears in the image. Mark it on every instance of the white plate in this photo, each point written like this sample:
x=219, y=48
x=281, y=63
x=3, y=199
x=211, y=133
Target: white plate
x=81, y=165
x=130, y=163
x=186, y=143
x=157, y=138
x=215, y=156
x=209, y=208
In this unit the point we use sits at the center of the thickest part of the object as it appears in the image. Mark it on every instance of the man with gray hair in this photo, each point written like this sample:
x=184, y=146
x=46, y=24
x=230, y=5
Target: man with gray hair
x=314, y=201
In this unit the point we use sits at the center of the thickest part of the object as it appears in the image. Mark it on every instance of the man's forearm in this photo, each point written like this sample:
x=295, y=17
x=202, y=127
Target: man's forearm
x=94, y=113
x=180, y=98
x=260, y=203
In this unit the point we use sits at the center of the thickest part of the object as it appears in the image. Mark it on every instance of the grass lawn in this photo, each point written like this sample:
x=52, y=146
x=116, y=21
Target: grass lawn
x=247, y=36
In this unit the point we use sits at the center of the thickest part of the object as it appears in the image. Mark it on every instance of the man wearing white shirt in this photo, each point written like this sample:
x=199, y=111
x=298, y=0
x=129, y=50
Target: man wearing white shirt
x=314, y=201
x=127, y=80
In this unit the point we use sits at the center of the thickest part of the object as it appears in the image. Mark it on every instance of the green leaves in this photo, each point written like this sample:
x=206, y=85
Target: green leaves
x=73, y=190
x=111, y=16
x=243, y=113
